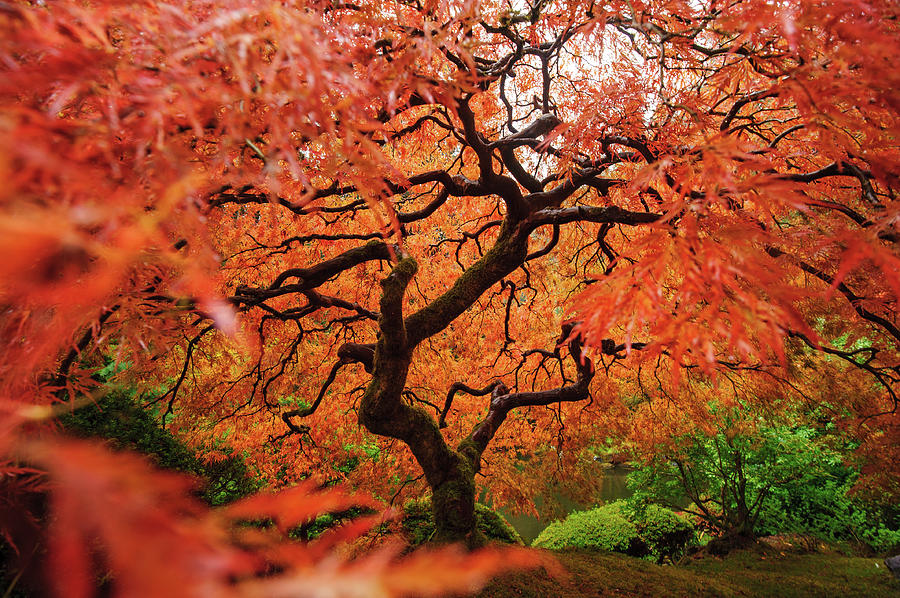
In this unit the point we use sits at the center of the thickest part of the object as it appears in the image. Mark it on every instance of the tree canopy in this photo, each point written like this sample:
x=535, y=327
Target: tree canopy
x=443, y=239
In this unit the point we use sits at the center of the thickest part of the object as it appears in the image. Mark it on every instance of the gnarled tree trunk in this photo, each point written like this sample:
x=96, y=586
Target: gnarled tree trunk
x=451, y=472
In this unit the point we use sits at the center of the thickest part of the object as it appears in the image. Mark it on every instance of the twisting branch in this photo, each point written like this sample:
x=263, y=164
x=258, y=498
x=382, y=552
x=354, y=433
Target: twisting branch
x=507, y=339
x=358, y=353
x=502, y=401
x=547, y=248
x=62, y=372
x=460, y=387
x=854, y=299
x=749, y=98
x=318, y=274
x=288, y=416
x=172, y=393
x=887, y=377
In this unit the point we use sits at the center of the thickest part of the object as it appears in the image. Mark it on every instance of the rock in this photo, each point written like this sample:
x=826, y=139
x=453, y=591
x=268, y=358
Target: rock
x=893, y=563
x=797, y=543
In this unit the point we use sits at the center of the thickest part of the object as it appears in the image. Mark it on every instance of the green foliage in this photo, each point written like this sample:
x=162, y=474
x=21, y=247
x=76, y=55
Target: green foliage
x=666, y=533
x=125, y=426
x=603, y=528
x=495, y=527
x=881, y=538
x=325, y=522
x=357, y=454
x=822, y=504
x=618, y=527
x=418, y=523
x=779, y=479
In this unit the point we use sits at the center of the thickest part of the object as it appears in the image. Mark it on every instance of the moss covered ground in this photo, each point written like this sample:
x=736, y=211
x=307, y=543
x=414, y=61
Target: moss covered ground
x=754, y=572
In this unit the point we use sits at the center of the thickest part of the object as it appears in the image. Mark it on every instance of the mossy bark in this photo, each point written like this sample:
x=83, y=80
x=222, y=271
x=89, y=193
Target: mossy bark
x=453, y=505
x=450, y=473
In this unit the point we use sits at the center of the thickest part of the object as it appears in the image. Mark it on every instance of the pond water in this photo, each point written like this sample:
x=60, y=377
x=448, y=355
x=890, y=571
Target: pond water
x=612, y=488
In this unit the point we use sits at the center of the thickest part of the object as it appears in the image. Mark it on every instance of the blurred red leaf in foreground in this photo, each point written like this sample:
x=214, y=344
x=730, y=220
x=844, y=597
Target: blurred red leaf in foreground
x=116, y=523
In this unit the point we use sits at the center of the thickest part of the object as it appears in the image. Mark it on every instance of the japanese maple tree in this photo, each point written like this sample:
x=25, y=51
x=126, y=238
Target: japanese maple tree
x=476, y=228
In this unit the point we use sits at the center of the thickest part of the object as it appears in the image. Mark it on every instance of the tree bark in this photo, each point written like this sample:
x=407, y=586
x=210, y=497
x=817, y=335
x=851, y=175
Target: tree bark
x=453, y=505
x=450, y=474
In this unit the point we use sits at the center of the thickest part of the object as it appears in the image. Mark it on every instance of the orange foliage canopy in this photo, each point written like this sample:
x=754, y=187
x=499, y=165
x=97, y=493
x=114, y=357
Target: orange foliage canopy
x=286, y=216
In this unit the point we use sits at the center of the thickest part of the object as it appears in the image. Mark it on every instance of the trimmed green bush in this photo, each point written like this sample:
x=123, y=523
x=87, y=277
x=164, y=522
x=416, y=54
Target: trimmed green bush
x=652, y=531
x=418, y=523
x=666, y=533
x=603, y=528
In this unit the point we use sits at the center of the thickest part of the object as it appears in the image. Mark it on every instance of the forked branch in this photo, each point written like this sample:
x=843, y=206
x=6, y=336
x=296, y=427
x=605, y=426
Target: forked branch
x=502, y=401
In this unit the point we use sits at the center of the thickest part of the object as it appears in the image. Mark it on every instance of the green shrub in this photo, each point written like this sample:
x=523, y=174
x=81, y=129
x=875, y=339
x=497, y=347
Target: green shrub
x=823, y=505
x=126, y=426
x=794, y=480
x=617, y=527
x=881, y=539
x=603, y=528
x=666, y=533
x=418, y=523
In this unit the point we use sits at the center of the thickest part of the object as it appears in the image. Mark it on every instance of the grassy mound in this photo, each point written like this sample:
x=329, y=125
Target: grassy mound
x=761, y=572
